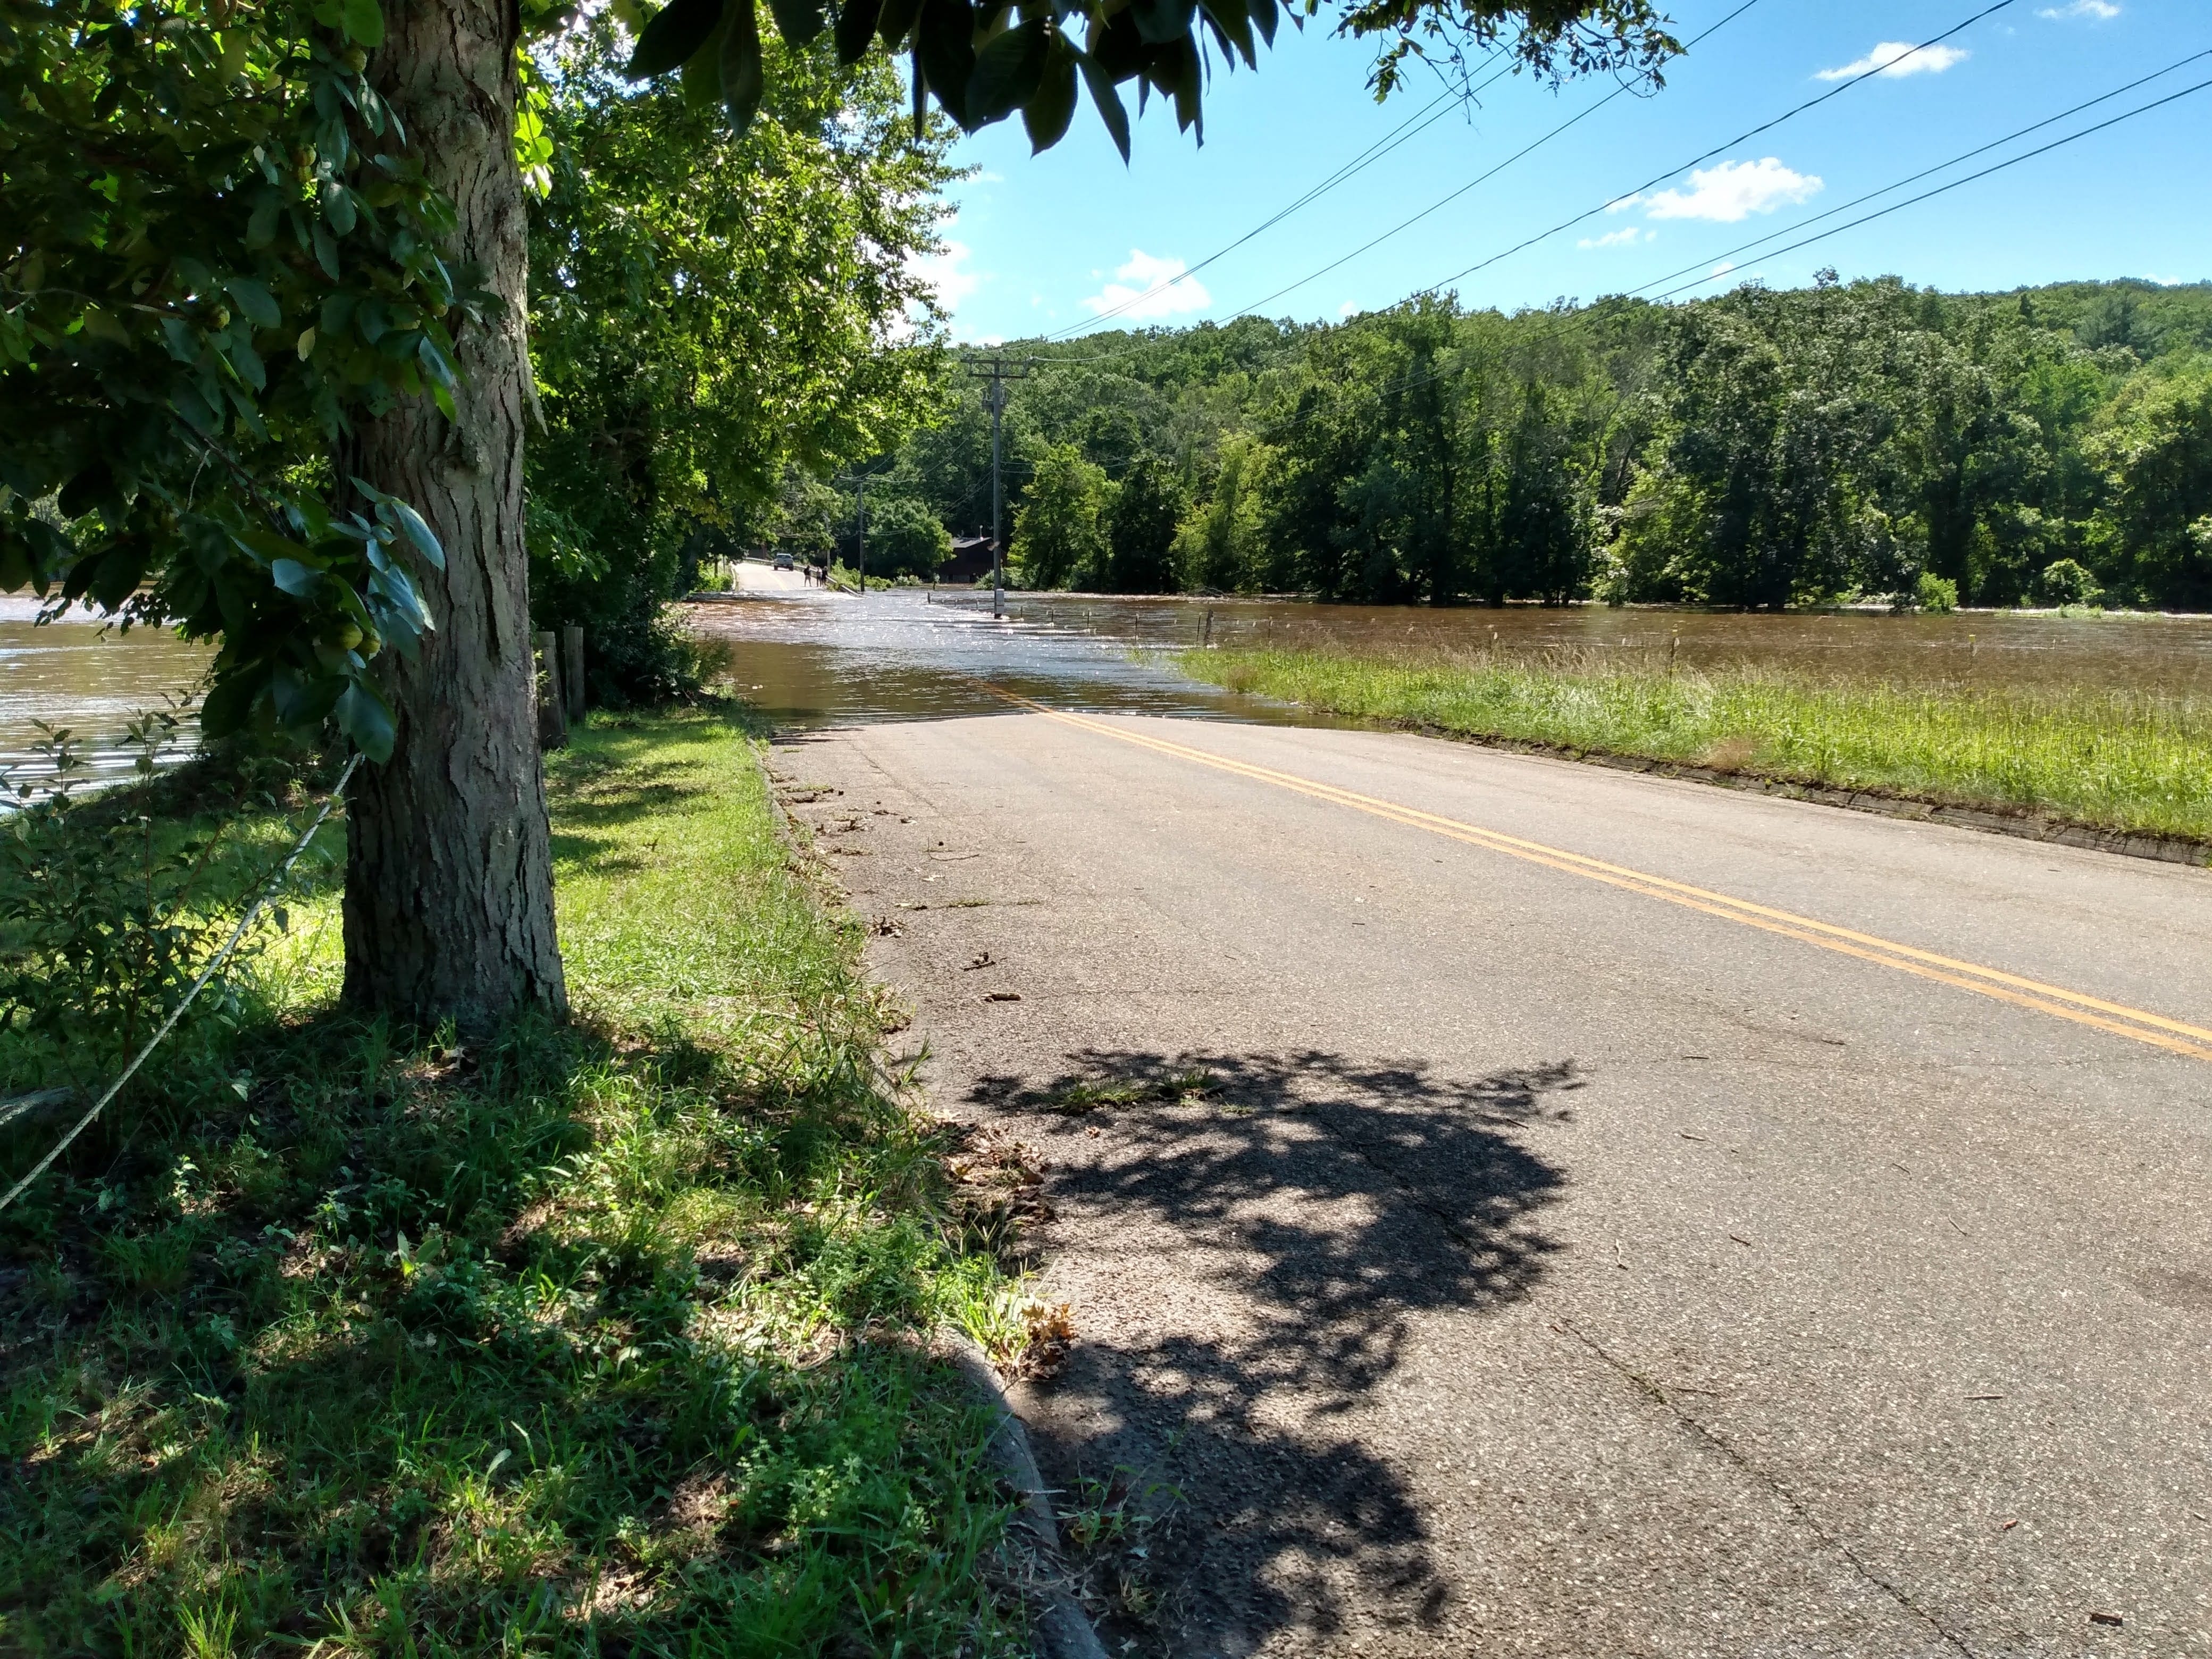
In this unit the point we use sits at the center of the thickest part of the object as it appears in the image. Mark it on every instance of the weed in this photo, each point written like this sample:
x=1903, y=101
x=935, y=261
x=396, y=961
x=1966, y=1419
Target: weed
x=606, y=1337
x=1184, y=1088
x=2116, y=760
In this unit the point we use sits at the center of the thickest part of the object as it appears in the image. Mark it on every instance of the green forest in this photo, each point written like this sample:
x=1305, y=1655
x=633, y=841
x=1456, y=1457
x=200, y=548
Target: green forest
x=1866, y=441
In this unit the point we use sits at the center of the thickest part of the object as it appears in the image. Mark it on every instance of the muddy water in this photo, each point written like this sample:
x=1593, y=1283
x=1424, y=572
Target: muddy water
x=832, y=659
x=814, y=658
x=823, y=658
x=92, y=679
x=1999, y=650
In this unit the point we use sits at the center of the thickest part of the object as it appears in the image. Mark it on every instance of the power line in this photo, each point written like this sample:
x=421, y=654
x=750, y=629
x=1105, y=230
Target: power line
x=1401, y=133
x=1485, y=178
x=1926, y=173
x=1718, y=149
x=1440, y=372
x=1943, y=190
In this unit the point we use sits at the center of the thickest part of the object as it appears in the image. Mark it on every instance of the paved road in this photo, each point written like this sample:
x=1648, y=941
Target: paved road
x=1565, y=1266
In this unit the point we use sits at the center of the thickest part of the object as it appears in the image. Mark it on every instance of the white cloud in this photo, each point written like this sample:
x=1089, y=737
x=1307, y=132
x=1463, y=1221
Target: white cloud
x=2163, y=281
x=945, y=273
x=1735, y=189
x=1719, y=271
x=1624, y=204
x=2102, y=11
x=1627, y=237
x=1149, y=290
x=1349, y=309
x=1899, y=58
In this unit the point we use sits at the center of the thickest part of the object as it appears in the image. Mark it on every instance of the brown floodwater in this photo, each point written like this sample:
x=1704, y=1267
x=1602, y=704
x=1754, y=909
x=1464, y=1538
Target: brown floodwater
x=815, y=659
x=2000, y=650
x=818, y=658
x=93, y=679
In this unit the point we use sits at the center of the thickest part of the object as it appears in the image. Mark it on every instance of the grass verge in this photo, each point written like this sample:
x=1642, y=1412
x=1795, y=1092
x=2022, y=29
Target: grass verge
x=609, y=1339
x=2109, y=761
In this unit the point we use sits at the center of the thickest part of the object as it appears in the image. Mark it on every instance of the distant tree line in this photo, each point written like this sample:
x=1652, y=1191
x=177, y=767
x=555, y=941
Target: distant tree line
x=1867, y=441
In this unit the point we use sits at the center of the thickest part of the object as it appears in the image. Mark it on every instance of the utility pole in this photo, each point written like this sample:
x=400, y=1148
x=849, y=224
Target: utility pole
x=860, y=483
x=998, y=371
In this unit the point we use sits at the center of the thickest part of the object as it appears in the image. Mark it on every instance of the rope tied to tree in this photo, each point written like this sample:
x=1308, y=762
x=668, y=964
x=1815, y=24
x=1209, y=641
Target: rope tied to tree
x=206, y=974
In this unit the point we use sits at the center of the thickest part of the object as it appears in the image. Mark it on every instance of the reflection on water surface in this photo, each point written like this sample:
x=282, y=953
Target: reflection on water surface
x=817, y=658
x=1995, y=650
x=93, y=679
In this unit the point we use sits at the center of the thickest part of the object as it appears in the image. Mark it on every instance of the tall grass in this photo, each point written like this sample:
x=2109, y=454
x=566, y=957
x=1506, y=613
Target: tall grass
x=346, y=1340
x=2111, y=760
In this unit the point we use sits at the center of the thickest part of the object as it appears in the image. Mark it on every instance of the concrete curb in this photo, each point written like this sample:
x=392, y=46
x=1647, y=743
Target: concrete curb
x=1063, y=1630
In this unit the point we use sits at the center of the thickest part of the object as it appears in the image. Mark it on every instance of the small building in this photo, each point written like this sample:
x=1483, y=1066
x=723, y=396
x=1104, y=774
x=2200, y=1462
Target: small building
x=971, y=561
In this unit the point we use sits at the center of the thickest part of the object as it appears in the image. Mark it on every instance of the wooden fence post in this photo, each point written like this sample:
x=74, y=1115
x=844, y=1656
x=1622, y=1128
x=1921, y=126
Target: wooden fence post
x=552, y=713
x=571, y=670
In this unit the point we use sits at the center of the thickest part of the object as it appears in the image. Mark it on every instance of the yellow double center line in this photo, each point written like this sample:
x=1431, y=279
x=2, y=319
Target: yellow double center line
x=2115, y=1017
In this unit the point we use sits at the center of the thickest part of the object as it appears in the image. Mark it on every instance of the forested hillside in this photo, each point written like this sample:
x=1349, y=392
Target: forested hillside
x=1759, y=449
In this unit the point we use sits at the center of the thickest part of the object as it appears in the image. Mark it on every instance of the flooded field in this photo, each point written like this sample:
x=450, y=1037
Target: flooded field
x=815, y=658
x=91, y=678
x=1991, y=650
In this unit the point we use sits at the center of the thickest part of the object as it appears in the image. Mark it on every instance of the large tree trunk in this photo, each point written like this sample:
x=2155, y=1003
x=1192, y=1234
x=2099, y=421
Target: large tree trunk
x=449, y=884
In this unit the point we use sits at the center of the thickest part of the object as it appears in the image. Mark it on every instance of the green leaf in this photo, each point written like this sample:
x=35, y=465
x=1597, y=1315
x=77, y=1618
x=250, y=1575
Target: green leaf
x=1233, y=26
x=366, y=718
x=742, y=78
x=410, y=523
x=896, y=21
x=1161, y=21
x=673, y=36
x=296, y=579
x=1052, y=105
x=254, y=300
x=1110, y=108
x=1263, y=18
x=364, y=21
x=1007, y=71
x=856, y=25
x=797, y=21
x=703, y=73
x=945, y=39
x=230, y=704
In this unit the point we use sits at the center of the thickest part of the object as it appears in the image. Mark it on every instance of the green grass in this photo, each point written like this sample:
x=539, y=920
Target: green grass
x=610, y=1339
x=2113, y=761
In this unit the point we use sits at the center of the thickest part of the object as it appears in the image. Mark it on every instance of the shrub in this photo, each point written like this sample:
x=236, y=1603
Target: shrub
x=1934, y=593
x=2067, y=581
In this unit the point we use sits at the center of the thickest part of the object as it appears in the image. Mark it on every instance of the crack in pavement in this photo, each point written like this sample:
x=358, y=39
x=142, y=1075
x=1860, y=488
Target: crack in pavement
x=1719, y=1442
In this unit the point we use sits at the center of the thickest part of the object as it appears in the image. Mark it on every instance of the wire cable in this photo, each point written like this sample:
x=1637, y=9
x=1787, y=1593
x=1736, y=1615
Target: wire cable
x=1930, y=173
x=1440, y=372
x=1375, y=152
x=1485, y=178
x=1610, y=202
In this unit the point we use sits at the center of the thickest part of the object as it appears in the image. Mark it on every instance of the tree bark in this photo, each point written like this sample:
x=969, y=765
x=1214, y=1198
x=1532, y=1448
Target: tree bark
x=449, y=882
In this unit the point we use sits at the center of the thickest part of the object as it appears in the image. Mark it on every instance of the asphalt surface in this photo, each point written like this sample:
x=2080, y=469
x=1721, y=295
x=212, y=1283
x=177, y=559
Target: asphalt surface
x=1552, y=1268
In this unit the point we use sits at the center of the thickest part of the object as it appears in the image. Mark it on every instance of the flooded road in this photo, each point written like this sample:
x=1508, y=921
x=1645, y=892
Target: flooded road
x=826, y=659
x=815, y=659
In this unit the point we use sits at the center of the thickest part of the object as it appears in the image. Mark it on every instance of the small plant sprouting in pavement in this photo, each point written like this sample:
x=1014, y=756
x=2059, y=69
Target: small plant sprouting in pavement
x=1109, y=1530
x=1185, y=1088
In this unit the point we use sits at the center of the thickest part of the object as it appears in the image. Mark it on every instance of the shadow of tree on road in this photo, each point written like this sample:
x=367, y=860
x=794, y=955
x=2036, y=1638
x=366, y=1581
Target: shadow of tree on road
x=1317, y=1204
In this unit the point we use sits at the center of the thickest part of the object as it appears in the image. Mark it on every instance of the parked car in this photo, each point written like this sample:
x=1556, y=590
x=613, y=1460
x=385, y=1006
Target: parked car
x=783, y=562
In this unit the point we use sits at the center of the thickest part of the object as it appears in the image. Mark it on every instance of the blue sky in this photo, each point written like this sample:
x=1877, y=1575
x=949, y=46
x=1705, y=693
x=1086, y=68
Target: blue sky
x=1045, y=243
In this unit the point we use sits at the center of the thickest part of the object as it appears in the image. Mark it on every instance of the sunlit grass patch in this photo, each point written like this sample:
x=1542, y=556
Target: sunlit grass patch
x=606, y=1337
x=2111, y=760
